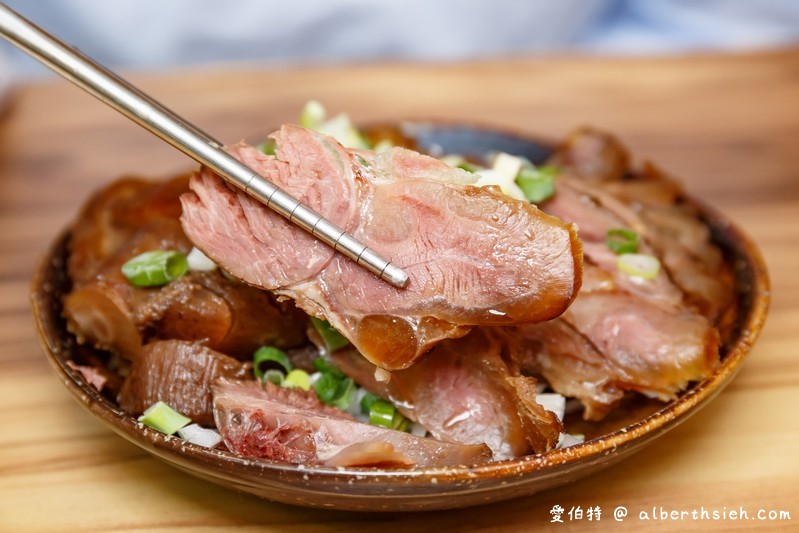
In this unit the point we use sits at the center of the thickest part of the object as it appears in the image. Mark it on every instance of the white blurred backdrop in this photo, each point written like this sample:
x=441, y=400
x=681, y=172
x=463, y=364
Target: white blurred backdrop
x=162, y=34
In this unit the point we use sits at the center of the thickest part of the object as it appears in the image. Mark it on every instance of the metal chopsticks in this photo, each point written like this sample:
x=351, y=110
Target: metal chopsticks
x=142, y=109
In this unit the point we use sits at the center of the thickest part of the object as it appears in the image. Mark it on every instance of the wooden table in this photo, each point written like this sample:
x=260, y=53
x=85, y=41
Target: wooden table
x=728, y=126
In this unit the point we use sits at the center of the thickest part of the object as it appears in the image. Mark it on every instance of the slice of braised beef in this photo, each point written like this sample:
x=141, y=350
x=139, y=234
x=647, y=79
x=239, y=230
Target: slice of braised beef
x=464, y=391
x=474, y=256
x=654, y=205
x=622, y=332
x=179, y=373
x=293, y=426
x=592, y=154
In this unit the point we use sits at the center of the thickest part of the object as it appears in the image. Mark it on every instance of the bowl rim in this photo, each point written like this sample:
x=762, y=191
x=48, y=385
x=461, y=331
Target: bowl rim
x=746, y=257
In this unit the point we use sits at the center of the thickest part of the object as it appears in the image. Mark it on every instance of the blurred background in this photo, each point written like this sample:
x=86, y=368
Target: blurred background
x=165, y=34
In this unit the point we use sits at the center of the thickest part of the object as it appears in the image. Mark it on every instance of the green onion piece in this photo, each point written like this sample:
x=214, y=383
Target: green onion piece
x=156, y=268
x=508, y=166
x=382, y=145
x=269, y=354
x=367, y=401
x=326, y=387
x=268, y=147
x=326, y=367
x=385, y=414
x=299, y=379
x=333, y=339
x=345, y=393
x=468, y=167
x=340, y=127
x=622, y=241
x=312, y=115
x=458, y=161
x=537, y=183
x=400, y=423
x=163, y=418
x=639, y=265
x=332, y=386
x=273, y=375
x=382, y=413
x=452, y=160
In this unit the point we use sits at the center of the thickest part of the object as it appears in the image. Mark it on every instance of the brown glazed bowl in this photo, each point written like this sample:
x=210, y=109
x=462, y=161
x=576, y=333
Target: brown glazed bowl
x=633, y=426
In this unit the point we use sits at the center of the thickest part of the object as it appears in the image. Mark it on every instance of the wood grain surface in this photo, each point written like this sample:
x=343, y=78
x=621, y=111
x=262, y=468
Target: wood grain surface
x=727, y=126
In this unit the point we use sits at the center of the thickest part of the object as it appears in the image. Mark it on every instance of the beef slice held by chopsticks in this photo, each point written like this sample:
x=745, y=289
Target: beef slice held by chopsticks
x=474, y=256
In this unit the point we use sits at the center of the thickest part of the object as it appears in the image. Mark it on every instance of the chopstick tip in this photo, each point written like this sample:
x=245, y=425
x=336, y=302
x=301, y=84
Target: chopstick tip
x=395, y=275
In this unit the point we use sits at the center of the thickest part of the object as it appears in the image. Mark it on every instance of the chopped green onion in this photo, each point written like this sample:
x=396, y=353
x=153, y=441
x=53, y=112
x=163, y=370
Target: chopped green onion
x=383, y=413
x=273, y=375
x=367, y=401
x=416, y=429
x=340, y=127
x=458, y=161
x=163, y=418
x=299, y=379
x=508, y=165
x=330, y=336
x=196, y=434
x=268, y=147
x=345, y=393
x=622, y=241
x=468, y=167
x=326, y=386
x=506, y=183
x=537, y=183
x=335, y=388
x=269, y=354
x=332, y=386
x=400, y=423
x=312, y=115
x=156, y=268
x=382, y=145
x=639, y=265
x=197, y=261
x=452, y=160
x=502, y=173
x=324, y=366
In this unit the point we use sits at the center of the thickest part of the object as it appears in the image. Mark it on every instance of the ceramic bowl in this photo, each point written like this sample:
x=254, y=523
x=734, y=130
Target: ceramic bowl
x=632, y=427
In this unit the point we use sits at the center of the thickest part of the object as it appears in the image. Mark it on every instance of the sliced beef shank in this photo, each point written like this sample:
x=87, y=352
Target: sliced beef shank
x=291, y=425
x=474, y=256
